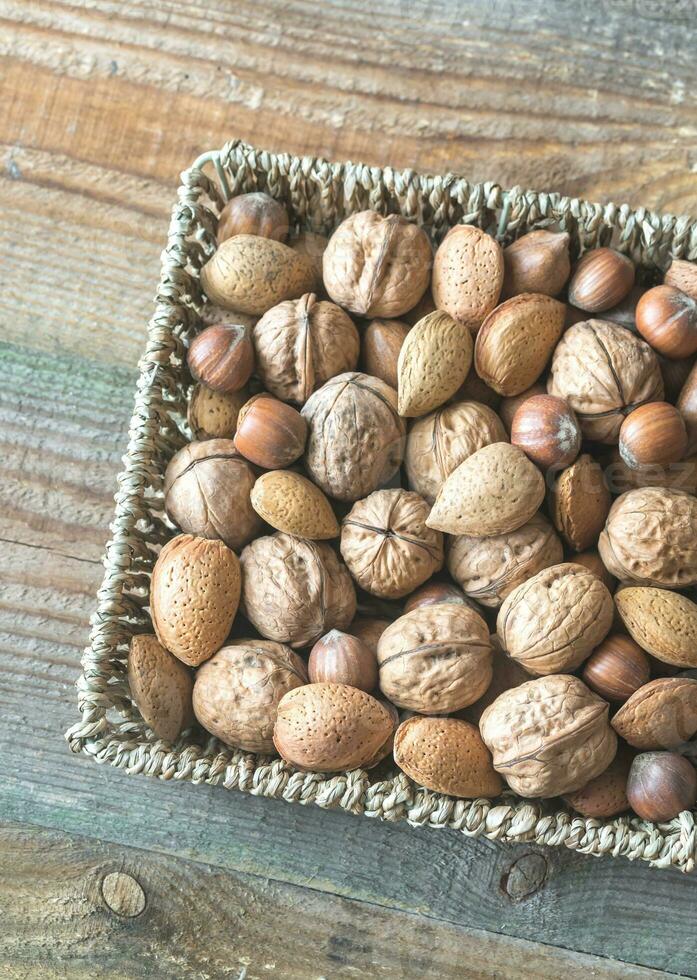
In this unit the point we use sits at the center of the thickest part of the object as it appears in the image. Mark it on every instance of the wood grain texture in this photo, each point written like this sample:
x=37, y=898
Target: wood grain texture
x=98, y=909
x=63, y=422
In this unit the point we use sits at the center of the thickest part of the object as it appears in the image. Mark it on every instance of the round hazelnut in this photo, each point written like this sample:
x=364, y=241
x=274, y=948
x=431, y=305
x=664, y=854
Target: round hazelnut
x=270, y=433
x=207, y=493
x=253, y=214
x=439, y=442
x=667, y=319
x=213, y=414
x=546, y=429
x=295, y=590
x=604, y=372
x=509, y=406
x=436, y=592
x=302, y=343
x=356, y=437
x=661, y=785
x=601, y=280
x=386, y=544
x=653, y=435
x=617, y=668
x=537, y=263
x=338, y=658
x=683, y=276
x=382, y=342
x=222, y=356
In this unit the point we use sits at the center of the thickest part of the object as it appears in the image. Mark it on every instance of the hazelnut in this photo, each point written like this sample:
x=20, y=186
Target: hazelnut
x=382, y=342
x=213, y=414
x=510, y=405
x=653, y=435
x=434, y=593
x=661, y=785
x=617, y=668
x=546, y=429
x=270, y=433
x=675, y=374
x=338, y=658
x=687, y=406
x=207, y=493
x=537, y=263
x=624, y=314
x=667, y=319
x=601, y=280
x=222, y=356
x=253, y=214
x=678, y=476
x=369, y=629
x=683, y=276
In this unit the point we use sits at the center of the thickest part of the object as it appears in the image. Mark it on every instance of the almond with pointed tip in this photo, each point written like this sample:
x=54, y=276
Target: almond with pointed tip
x=382, y=342
x=161, y=687
x=467, y=275
x=516, y=341
x=662, y=622
x=496, y=490
x=579, y=502
x=290, y=502
x=537, y=263
x=194, y=594
x=683, y=276
x=446, y=755
x=433, y=362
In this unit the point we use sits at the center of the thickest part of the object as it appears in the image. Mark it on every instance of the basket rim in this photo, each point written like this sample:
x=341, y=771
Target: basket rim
x=127, y=744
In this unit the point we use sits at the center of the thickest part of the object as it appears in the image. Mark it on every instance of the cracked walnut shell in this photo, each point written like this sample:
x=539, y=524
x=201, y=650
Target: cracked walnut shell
x=377, y=266
x=302, y=343
x=439, y=442
x=650, y=538
x=237, y=691
x=356, y=438
x=435, y=659
x=293, y=590
x=553, y=621
x=387, y=546
x=550, y=736
x=604, y=371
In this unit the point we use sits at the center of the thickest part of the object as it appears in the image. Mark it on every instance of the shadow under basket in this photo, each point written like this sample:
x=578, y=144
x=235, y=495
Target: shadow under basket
x=319, y=194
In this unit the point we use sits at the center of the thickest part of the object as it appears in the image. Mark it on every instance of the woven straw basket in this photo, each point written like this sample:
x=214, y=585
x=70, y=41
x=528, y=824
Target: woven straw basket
x=319, y=195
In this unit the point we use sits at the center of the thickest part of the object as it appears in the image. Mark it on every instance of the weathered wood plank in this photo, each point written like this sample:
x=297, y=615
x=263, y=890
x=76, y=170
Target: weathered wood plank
x=77, y=414
x=97, y=909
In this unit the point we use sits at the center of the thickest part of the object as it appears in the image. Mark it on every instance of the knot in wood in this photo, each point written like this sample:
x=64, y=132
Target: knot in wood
x=123, y=895
x=525, y=876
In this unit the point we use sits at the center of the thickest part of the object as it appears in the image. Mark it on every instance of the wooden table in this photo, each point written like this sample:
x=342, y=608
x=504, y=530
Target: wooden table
x=102, y=103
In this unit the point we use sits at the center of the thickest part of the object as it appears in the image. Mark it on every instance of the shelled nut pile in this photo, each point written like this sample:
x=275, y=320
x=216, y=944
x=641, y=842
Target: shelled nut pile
x=438, y=511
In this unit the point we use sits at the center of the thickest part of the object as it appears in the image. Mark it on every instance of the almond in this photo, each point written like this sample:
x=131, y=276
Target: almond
x=446, y=755
x=683, y=276
x=194, y=594
x=662, y=623
x=331, y=727
x=291, y=503
x=606, y=795
x=661, y=715
x=161, y=687
x=433, y=362
x=579, y=503
x=496, y=490
x=252, y=274
x=516, y=341
x=467, y=275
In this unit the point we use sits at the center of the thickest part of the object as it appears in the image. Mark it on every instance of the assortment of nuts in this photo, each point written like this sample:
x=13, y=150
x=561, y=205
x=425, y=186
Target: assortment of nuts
x=497, y=473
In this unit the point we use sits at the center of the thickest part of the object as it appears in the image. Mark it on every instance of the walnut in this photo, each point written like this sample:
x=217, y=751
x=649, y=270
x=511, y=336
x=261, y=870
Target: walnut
x=207, y=493
x=604, y=372
x=293, y=590
x=302, y=343
x=386, y=545
x=435, y=659
x=356, y=438
x=237, y=691
x=650, y=537
x=488, y=569
x=549, y=736
x=439, y=442
x=555, y=619
x=377, y=266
